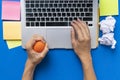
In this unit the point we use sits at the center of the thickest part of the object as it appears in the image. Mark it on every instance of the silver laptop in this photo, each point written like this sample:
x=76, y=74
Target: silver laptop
x=51, y=19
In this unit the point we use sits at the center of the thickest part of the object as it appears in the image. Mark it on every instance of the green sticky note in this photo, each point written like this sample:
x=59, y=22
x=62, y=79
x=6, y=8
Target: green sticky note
x=13, y=44
x=108, y=7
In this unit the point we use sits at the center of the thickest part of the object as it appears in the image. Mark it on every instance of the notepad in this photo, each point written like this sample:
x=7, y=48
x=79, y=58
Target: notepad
x=10, y=10
x=11, y=30
x=13, y=44
x=108, y=7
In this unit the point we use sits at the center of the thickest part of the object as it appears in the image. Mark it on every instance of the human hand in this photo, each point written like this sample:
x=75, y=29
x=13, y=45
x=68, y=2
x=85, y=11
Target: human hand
x=81, y=40
x=33, y=57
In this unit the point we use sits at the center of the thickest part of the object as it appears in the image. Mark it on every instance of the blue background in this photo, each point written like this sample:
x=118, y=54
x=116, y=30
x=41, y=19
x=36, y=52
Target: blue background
x=61, y=64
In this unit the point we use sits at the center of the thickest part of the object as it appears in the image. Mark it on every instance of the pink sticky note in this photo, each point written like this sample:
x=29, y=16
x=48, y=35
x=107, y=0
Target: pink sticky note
x=10, y=10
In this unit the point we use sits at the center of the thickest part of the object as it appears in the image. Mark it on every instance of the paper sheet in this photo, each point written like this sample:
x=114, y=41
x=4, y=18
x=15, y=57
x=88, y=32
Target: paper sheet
x=13, y=44
x=10, y=10
x=11, y=30
x=108, y=7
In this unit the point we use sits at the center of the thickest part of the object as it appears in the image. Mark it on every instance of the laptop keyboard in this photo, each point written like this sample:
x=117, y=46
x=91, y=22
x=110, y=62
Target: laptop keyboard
x=41, y=13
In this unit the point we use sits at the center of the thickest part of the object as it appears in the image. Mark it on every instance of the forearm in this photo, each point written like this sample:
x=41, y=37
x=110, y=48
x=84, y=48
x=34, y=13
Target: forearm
x=88, y=70
x=28, y=71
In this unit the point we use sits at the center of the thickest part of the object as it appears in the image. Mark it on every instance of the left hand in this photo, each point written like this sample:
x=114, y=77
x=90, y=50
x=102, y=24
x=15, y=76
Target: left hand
x=33, y=57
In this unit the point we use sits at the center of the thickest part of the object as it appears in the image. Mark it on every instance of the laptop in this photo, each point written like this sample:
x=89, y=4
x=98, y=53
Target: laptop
x=51, y=19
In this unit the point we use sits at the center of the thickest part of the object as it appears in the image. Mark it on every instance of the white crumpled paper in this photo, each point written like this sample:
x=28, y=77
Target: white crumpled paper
x=107, y=27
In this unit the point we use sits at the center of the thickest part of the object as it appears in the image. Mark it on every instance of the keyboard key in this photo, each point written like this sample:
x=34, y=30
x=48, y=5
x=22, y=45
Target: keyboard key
x=64, y=5
x=32, y=23
x=49, y=14
x=42, y=23
x=27, y=24
x=90, y=25
x=76, y=9
x=35, y=14
x=34, y=10
x=62, y=10
x=32, y=5
x=53, y=9
x=48, y=10
x=59, y=14
x=47, y=19
x=81, y=9
x=78, y=14
x=89, y=5
x=88, y=14
x=29, y=14
x=37, y=23
x=72, y=14
x=63, y=14
x=45, y=14
x=30, y=19
x=68, y=14
x=85, y=9
x=78, y=5
x=56, y=23
x=67, y=9
x=42, y=19
x=70, y=19
x=52, y=19
x=57, y=10
x=40, y=14
x=36, y=5
x=83, y=5
x=56, y=19
x=55, y=5
x=87, y=19
x=38, y=19
x=54, y=14
x=69, y=5
x=50, y=5
x=27, y=6
x=43, y=10
x=90, y=10
x=28, y=10
x=46, y=5
x=66, y=19
x=82, y=14
x=39, y=10
x=74, y=5
x=61, y=19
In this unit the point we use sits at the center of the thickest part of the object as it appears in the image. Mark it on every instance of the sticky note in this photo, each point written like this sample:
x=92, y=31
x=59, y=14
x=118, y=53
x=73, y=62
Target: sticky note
x=10, y=10
x=108, y=7
x=13, y=44
x=12, y=30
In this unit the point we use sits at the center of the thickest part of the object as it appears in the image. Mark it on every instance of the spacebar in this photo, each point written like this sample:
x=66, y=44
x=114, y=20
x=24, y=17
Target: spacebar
x=56, y=23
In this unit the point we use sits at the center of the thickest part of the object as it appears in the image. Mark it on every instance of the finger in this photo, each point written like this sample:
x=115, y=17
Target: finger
x=30, y=44
x=32, y=41
x=76, y=30
x=38, y=37
x=81, y=28
x=85, y=27
x=75, y=27
x=44, y=52
x=73, y=38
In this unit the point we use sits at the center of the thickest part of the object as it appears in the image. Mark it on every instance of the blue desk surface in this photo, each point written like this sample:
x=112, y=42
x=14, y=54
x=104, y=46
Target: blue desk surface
x=61, y=64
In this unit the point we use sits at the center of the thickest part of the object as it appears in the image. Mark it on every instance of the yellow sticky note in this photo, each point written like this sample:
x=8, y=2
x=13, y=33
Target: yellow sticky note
x=108, y=7
x=11, y=30
x=13, y=44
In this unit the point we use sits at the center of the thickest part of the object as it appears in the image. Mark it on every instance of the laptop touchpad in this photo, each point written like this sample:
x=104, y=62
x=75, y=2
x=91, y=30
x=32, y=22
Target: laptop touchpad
x=56, y=37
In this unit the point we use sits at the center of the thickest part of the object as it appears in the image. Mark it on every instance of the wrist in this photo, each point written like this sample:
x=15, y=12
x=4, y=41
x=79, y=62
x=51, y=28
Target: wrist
x=30, y=64
x=85, y=58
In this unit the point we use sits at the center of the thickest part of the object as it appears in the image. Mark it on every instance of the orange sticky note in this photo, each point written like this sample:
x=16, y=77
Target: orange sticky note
x=11, y=30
